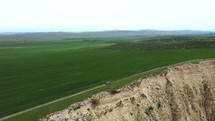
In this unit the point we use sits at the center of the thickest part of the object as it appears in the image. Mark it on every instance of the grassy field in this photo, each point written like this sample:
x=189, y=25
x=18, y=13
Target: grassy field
x=36, y=114
x=39, y=72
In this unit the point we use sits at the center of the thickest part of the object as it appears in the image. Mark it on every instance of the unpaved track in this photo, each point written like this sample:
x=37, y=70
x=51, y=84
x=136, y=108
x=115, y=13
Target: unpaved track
x=39, y=106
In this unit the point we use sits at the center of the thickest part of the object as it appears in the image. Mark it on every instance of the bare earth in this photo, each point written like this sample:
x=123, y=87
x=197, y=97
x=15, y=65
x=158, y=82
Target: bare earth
x=184, y=93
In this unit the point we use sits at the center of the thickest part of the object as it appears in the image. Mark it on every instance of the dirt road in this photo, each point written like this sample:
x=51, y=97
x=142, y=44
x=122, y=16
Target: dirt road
x=36, y=107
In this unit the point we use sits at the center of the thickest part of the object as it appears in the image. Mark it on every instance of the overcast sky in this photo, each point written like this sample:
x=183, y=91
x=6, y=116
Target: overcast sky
x=94, y=15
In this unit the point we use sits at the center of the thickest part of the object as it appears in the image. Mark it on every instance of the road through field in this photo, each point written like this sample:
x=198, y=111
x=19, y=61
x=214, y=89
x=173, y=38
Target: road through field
x=45, y=104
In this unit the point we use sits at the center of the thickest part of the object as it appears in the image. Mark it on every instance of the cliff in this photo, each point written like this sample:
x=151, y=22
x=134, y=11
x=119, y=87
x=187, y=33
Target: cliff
x=184, y=93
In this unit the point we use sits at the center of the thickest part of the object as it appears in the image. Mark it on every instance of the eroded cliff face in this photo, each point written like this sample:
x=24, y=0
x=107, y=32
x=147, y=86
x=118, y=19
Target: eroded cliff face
x=185, y=93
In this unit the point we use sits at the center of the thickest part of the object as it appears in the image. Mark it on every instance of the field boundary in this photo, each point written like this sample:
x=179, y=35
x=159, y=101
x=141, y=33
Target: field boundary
x=100, y=86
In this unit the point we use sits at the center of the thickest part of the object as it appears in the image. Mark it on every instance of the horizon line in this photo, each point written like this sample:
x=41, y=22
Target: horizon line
x=108, y=30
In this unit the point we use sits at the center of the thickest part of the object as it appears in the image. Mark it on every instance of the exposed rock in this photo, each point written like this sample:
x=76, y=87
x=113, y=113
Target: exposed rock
x=184, y=93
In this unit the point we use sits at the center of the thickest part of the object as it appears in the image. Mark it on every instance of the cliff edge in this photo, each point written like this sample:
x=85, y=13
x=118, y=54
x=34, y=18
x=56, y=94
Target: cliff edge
x=184, y=93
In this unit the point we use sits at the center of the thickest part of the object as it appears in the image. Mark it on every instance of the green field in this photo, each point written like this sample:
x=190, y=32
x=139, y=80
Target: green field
x=33, y=73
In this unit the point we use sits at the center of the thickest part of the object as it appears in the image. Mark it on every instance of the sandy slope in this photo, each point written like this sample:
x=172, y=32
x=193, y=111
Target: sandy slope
x=184, y=93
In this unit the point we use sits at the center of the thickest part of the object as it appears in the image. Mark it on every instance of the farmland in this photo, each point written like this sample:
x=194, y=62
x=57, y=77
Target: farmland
x=33, y=73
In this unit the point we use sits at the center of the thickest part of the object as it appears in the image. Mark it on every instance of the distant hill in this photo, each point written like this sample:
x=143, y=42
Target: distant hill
x=56, y=36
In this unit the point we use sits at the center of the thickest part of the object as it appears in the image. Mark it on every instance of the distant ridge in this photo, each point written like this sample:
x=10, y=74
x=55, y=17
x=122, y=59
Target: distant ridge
x=142, y=32
x=56, y=36
x=8, y=33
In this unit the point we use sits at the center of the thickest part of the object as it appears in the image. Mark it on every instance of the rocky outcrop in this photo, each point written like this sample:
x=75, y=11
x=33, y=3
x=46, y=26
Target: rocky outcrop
x=184, y=93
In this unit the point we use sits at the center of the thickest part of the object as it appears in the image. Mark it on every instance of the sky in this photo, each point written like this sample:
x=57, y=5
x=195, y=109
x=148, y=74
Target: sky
x=97, y=15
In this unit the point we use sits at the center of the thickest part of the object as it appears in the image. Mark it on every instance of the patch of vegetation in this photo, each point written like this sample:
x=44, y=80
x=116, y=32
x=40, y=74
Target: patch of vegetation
x=143, y=95
x=149, y=110
x=114, y=91
x=176, y=42
x=158, y=105
x=161, y=45
x=95, y=102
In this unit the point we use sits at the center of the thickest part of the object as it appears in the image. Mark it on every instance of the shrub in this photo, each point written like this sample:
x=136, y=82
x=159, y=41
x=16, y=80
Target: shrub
x=158, y=105
x=148, y=110
x=114, y=91
x=95, y=102
x=143, y=95
x=132, y=100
